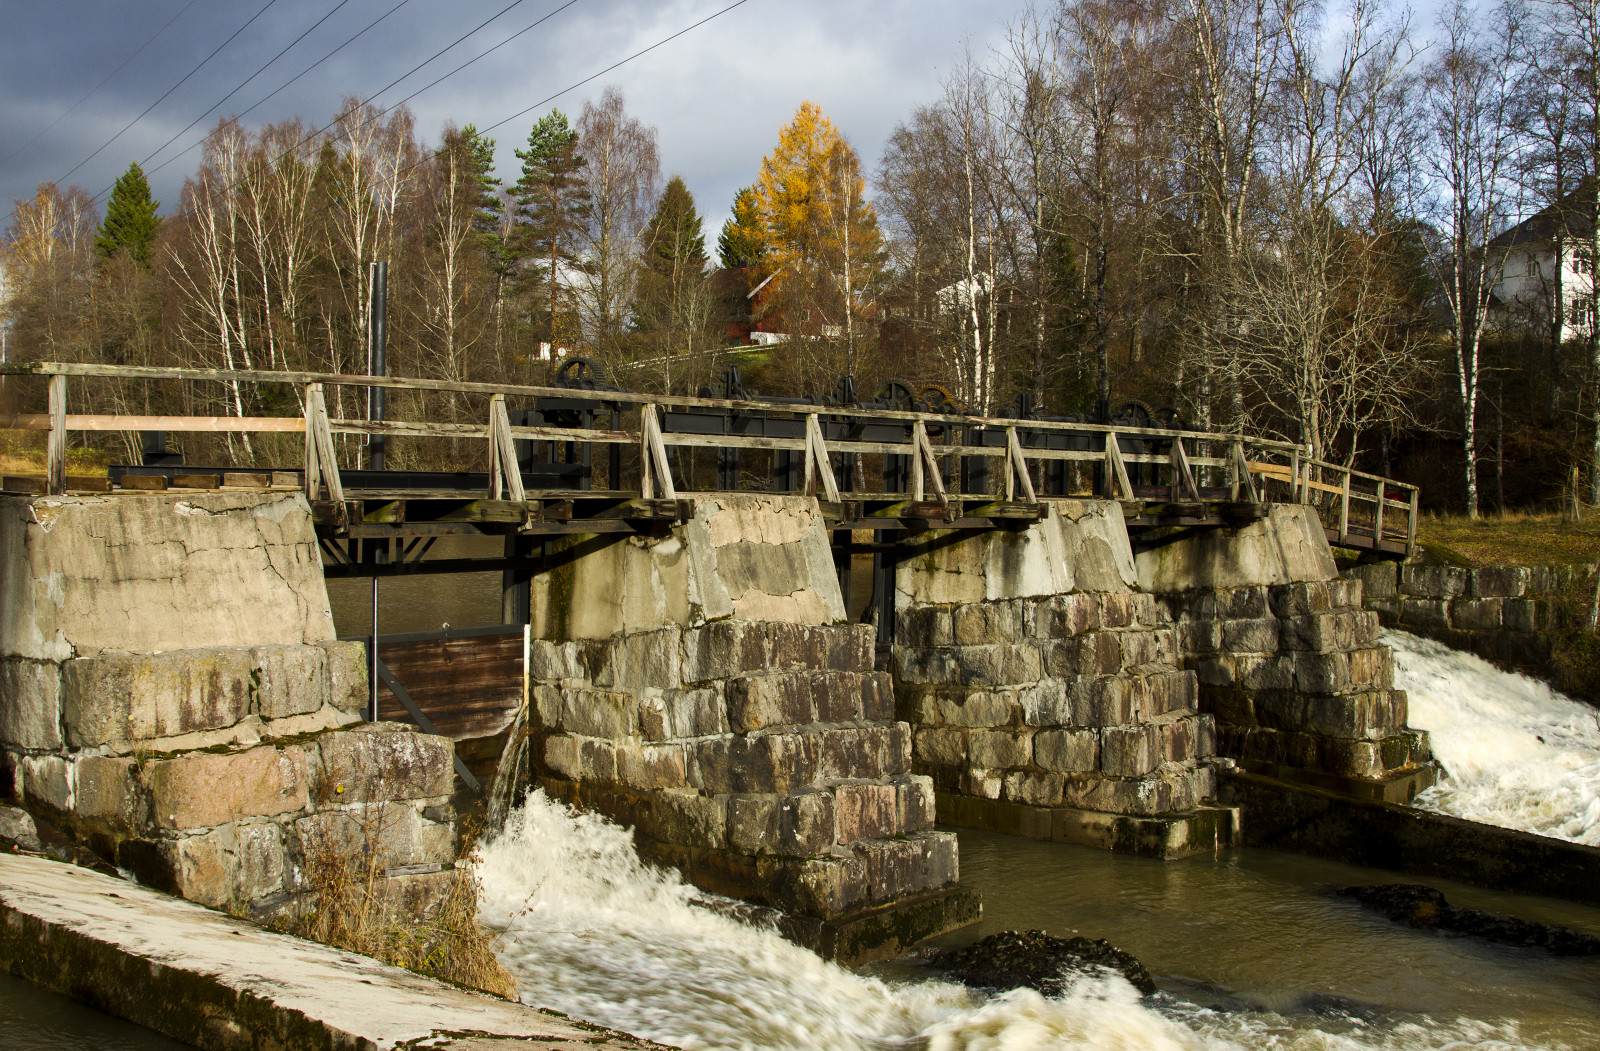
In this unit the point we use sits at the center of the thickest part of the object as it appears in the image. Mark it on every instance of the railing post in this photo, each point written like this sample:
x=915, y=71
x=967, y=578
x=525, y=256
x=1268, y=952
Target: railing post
x=1017, y=468
x=654, y=467
x=1294, y=477
x=1116, y=469
x=1344, y=509
x=56, y=448
x=313, y=485
x=916, y=462
x=1411, y=526
x=505, y=475
x=1377, y=520
x=322, y=465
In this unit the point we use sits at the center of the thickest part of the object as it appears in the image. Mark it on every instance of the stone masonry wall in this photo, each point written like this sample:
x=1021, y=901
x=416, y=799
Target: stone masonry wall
x=1296, y=679
x=701, y=687
x=1506, y=614
x=1288, y=660
x=134, y=718
x=1044, y=688
x=1073, y=700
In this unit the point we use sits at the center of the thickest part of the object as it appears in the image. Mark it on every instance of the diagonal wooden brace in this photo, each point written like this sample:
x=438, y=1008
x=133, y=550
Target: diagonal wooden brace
x=817, y=464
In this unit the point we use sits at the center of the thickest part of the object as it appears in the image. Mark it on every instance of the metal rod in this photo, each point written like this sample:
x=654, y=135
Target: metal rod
x=372, y=651
x=377, y=344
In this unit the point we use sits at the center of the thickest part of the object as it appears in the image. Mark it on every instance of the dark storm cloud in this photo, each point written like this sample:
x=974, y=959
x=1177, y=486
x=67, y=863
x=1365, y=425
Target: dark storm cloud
x=718, y=95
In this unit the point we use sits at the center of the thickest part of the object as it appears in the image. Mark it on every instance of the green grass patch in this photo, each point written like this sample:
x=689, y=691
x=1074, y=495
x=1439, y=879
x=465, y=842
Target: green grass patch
x=1510, y=540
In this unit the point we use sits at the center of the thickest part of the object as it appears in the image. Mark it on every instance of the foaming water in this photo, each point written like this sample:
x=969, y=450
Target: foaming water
x=1516, y=753
x=589, y=929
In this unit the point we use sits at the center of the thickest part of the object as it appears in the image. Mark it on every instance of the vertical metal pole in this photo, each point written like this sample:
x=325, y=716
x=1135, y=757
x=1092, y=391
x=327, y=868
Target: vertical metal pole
x=377, y=345
x=372, y=652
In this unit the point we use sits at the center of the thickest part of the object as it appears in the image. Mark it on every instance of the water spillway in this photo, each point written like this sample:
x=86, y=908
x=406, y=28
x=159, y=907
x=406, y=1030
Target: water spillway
x=589, y=929
x=1516, y=753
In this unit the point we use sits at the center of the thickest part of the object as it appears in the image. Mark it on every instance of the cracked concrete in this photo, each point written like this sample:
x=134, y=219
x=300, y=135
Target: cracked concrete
x=752, y=557
x=1286, y=547
x=85, y=575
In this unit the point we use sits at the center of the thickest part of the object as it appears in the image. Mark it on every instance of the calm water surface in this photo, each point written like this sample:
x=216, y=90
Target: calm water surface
x=1256, y=927
x=35, y=1019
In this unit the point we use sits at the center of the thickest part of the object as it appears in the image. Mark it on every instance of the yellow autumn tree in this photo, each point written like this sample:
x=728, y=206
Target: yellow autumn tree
x=820, y=244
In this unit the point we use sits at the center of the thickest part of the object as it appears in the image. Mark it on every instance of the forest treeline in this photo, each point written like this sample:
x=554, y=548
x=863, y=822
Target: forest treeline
x=1267, y=215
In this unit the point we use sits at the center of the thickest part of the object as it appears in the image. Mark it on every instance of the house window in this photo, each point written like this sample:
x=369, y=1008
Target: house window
x=1581, y=263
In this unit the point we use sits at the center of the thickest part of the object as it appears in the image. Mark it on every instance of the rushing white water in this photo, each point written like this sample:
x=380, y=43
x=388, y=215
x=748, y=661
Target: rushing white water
x=1516, y=753
x=589, y=929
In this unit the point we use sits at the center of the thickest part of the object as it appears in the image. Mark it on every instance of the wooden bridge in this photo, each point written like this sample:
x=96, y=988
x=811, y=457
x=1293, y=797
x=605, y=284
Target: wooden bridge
x=873, y=468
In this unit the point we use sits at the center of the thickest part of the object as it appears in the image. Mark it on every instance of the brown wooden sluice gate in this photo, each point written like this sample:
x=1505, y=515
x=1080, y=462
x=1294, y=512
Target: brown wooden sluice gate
x=468, y=684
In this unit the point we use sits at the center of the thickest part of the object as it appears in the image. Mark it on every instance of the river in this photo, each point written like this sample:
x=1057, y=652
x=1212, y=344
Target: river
x=1250, y=949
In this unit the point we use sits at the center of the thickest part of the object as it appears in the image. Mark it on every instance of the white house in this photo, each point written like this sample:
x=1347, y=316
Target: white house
x=1526, y=289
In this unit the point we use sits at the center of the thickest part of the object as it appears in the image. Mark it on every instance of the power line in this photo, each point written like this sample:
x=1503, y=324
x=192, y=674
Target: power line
x=170, y=90
x=74, y=107
x=260, y=70
x=312, y=135
x=616, y=65
x=486, y=54
x=274, y=92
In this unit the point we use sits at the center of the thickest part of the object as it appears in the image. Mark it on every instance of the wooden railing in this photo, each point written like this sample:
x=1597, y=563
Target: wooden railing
x=1357, y=508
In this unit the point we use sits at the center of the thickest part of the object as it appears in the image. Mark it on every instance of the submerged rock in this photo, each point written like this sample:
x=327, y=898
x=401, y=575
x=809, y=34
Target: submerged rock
x=1037, y=960
x=1424, y=907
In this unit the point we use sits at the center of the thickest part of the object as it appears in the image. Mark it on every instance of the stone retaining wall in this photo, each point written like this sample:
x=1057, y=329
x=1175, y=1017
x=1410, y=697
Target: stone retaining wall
x=702, y=687
x=1287, y=659
x=1505, y=614
x=1045, y=690
x=134, y=718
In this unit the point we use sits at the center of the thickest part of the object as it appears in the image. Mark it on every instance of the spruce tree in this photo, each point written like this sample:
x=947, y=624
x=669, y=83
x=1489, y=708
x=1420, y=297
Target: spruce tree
x=741, y=243
x=552, y=206
x=475, y=153
x=674, y=258
x=131, y=222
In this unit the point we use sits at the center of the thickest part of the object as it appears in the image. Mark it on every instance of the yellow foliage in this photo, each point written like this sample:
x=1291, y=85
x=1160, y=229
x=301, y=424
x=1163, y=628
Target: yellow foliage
x=811, y=204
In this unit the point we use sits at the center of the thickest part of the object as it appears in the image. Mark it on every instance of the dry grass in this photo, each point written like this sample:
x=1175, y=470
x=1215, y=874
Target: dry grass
x=17, y=458
x=352, y=908
x=1511, y=539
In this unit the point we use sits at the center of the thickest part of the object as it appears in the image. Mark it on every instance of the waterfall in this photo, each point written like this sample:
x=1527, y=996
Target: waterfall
x=1516, y=753
x=589, y=929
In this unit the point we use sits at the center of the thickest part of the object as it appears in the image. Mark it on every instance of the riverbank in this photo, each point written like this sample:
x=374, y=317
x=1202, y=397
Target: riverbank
x=216, y=982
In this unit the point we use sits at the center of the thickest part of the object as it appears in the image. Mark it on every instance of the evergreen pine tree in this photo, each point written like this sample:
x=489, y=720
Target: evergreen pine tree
x=552, y=205
x=740, y=243
x=674, y=258
x=476, y=154
x=131, y=222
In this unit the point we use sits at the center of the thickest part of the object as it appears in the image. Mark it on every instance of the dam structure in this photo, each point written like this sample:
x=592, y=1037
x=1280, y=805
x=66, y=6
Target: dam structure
x=778, y=640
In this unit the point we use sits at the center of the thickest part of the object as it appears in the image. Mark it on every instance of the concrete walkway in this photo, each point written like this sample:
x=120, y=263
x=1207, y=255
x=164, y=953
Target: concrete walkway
x=216, y=982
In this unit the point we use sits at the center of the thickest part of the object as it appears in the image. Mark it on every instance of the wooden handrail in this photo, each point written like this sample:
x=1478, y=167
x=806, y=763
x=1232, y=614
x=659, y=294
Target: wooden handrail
x=322, y=471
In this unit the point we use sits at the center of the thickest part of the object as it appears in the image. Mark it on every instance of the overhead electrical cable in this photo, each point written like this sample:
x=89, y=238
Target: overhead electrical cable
x=616, y=65
x=74, y=107
x=313, y=134
x=260, y=70
x=274, y=92
x=486, y=54
x=170, y=90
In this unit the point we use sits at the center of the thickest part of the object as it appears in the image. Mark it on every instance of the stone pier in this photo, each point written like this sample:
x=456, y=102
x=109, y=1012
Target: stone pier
x=173, y=698
x=1046, y=690
x=1288, y=660
x=703, y=687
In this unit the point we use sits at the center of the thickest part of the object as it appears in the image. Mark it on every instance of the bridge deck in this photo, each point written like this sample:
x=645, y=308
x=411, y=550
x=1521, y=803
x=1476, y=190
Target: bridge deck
x=873, y=468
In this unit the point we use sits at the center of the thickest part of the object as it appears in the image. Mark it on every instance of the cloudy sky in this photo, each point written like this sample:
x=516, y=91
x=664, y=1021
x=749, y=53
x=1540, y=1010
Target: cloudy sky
x=78, y=76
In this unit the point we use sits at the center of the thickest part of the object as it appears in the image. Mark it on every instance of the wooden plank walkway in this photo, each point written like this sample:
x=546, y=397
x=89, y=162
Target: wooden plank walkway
x=1163, y=476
